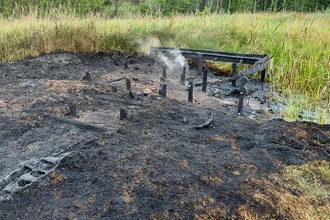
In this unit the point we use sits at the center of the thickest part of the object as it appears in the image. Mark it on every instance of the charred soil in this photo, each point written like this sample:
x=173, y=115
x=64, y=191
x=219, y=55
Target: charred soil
x=76, y=144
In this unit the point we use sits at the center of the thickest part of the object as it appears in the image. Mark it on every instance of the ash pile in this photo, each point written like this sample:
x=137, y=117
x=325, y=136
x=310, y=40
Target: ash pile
x=260, y=98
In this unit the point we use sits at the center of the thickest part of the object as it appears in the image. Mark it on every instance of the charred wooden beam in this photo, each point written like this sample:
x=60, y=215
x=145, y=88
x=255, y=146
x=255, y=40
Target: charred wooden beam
x=78, y=124
x=212, y=55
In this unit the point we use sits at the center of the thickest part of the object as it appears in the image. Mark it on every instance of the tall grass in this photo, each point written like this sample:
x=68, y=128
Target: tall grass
x=299, y=45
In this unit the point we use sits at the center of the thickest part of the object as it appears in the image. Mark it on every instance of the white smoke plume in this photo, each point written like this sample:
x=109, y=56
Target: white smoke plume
x=173, y=60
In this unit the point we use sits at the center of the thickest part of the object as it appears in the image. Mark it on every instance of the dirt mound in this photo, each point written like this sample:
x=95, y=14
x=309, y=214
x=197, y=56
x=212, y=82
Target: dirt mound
x=67, y=153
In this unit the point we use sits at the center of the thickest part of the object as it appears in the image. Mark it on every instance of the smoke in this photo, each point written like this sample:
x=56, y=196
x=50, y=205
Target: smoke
x=173, y=60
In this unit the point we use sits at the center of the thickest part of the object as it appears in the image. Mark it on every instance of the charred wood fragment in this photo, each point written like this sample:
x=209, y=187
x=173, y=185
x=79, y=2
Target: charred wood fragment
x=207, y=122
x=116, y=80
x=78, y=124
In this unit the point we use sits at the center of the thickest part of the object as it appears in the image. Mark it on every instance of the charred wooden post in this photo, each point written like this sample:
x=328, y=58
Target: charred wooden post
x=87, y=77
x=114, y=89
x=72, y=109
x=162, y=82
x=262, y=79
x=200, y=64
x=263, y=74
x=128, y=84
x=130, y=95
x=122, y=113
x=190, y=91
x=164, y=90
x=204, y=80
x=234, y=72
x=183, y=75
x=242, y=93
x=164, y=72
x=125, y=65
x=240, y=102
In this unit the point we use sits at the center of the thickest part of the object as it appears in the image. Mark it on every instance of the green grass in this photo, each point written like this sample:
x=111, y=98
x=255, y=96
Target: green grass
x=299, y=45
x=311, y=184
x=312, y=179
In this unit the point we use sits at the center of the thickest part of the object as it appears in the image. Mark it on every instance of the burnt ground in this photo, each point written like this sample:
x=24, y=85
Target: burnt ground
x=65, y=153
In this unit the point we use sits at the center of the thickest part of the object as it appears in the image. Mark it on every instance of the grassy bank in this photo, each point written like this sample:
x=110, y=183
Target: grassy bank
x=298, y=43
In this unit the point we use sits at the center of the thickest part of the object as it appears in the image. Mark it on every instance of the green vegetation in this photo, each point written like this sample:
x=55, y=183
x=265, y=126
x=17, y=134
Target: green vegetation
x=312, y=179
x=162, y=7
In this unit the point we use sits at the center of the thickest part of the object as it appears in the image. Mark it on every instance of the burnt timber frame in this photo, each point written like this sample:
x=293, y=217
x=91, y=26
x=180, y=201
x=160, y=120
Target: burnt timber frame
x=235, y=58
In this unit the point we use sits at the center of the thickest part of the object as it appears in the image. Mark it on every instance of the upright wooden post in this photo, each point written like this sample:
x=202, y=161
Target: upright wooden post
x=190, y=91
x=164, y=72
x=162, y=87
x=242, y=93
x=128, y=84
x=164, y=90
x=200, y=64
x=234, y=68
x=183, y=75
x=263, y=74
x=73, y=109
x=240, y=102
x=204, y=80
x=122, y=113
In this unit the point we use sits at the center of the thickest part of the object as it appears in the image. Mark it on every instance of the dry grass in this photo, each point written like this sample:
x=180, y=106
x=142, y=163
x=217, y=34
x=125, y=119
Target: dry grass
x=206, y=207
x=56, y=178
x=300, y=192
x=246, y=213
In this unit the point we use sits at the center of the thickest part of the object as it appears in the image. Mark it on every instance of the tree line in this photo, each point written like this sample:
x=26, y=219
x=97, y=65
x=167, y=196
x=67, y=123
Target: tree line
x=161, y=7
